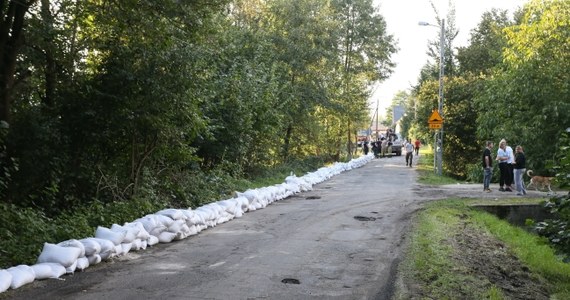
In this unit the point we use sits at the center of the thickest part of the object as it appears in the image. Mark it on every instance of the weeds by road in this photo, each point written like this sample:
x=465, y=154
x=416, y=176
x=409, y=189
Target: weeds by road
x=458, y=252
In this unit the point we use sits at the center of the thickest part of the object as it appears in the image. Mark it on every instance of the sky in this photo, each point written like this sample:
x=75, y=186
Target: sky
x=402, y=17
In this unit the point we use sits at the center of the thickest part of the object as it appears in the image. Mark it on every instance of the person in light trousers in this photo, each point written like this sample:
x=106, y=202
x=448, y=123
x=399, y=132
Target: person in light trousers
x=519, y=169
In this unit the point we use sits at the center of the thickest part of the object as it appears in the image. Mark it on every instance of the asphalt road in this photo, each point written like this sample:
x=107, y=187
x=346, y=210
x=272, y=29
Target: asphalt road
x=342, y=240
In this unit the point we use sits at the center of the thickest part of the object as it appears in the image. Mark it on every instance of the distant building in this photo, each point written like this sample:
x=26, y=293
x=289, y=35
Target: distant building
x=397, y=113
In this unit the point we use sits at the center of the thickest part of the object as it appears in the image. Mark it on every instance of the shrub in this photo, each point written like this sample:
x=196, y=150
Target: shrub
x=557, y=230
x=23, y=231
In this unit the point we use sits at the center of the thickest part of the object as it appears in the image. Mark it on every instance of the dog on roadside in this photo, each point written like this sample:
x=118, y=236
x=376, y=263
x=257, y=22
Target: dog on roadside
x=541, y=181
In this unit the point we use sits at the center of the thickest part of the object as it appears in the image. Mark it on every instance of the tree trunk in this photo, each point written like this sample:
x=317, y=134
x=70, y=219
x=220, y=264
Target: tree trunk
x=11, y=40
x=50, y=74
x=287, y=141
x=349, y=140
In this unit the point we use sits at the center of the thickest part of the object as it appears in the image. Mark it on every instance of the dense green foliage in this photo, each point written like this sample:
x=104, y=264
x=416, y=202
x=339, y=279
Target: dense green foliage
x=510, y=82
x=109, y=110
x=557, y=230
x=112, y=101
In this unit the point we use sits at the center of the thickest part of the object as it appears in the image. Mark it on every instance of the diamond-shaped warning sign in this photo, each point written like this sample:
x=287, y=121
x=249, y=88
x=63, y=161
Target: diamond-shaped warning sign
x=435, y=118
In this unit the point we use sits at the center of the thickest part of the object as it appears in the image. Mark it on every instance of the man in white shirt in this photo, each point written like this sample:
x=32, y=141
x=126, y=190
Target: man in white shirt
x=409, y=153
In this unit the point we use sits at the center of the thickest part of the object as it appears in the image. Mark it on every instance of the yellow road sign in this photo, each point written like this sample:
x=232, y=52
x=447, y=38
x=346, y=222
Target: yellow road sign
x=434, y=125
x=435, y=118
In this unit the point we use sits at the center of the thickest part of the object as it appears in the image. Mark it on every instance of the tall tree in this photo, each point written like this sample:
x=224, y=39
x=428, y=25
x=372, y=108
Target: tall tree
x=12, y=29
x=365, y=48
x=527, y=100
x=486, y=43
x=304, y=40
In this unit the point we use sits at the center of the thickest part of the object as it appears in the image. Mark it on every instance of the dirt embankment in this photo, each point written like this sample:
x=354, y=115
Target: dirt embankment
x=480, y=255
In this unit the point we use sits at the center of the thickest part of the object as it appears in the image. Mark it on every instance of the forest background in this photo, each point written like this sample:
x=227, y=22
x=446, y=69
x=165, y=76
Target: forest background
x=110, y=110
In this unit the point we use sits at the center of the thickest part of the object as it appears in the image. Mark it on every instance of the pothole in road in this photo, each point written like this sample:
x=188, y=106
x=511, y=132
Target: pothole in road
x=291, y=281
x=362, y=218
x=313, y=197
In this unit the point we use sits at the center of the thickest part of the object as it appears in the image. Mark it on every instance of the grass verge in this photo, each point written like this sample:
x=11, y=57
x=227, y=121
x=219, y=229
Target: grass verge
x=425, y=168
x=458, y=252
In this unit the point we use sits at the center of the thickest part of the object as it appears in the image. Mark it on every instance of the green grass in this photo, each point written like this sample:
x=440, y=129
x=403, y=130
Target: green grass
x=427, y=174
x=429, y=260
x=531, y=249
x=430, y=263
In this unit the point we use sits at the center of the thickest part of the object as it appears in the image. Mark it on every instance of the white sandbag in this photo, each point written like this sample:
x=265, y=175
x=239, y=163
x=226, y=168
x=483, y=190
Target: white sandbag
x=239, y=213
x=166, y=237
x=56, y=270
x=195, y=218
x=42, y=271
x=91, y=246
x=126, y=247
x=180, y=236
x=105, y=245
x=94, y=259
x=216, y=207
x=5, y=280
x=21, y=275
x=192, y=230
x=158, y=230
x=107, y=248
x=71, y=269
x=116, y=237
x=231, y=206
x=136, y=245
x=243, y=203
x=107, y=254
x=64, y=256
x=74, y=243
x=82, y=263
x=164, y=220
x=258, y=205
x=190, y=217
x=118, y=251
x=205, y=213
x=142, y=234
x=176, y=226
x=144, y=244
x=174, y=214
x=250, y=194
x=130, y=235
x=149, y=222
x=152, y=240
x=152, y=224
x=201, y=227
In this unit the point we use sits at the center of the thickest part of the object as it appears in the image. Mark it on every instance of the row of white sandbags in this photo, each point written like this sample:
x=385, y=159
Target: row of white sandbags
x=164, y=226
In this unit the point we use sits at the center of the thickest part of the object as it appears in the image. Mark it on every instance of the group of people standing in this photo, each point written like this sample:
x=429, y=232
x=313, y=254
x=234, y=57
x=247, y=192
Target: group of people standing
x=511, y=167
x=382, y=147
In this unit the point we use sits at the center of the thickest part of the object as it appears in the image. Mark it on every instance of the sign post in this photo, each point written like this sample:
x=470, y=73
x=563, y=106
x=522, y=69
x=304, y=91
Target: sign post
x=435, y=121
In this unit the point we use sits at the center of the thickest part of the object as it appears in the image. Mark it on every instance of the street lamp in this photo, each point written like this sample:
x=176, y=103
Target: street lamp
x=438, y=157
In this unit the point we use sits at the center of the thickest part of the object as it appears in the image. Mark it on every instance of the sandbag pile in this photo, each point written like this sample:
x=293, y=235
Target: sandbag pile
x=163, y=226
